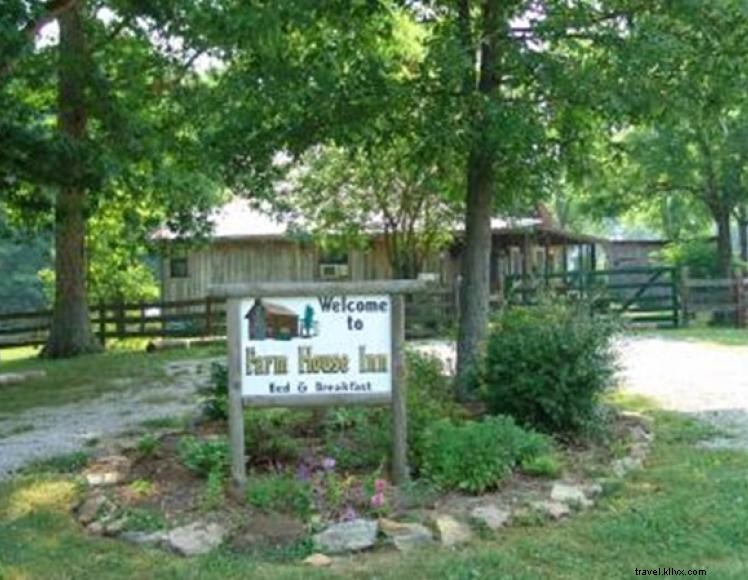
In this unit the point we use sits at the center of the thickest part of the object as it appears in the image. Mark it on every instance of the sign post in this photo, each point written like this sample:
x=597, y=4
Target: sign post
x=317, y=344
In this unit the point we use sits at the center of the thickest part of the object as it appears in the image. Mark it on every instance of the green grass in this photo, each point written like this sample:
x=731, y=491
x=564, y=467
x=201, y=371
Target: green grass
x=86, y=377
x=686, y=510
x=723, y=336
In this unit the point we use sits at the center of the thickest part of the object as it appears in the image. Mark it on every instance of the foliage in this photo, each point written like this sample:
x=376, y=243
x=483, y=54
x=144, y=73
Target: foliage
x=547, y=465
x=204, y=456
x=361, y=438
x=66, y=463
x=281, y=493
x=476, y=456
x=699, y=256
x=214, y=397
x=22, y=255
x=147, y=445
x=143, y=520
x=547, y=365
x=271, y=435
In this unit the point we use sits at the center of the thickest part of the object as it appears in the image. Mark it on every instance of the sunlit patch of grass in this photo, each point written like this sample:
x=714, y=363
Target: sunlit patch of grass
x=43, y=494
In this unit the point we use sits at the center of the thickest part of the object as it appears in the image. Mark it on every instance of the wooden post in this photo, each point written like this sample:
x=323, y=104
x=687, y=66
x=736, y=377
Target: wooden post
x=684, y=297
x=400, y=473
x=739, y=304
x=102, y=325
x=142, y=318
x=208, y=316
x=236, y=407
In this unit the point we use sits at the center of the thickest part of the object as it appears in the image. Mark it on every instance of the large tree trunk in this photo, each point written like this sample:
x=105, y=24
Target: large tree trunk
x=475, y=272
x=71, y=332
x=476, y=254
x=724, y=243
x=743, y=234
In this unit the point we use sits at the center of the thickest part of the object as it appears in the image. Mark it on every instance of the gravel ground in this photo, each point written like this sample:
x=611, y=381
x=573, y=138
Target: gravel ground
x=45, y=432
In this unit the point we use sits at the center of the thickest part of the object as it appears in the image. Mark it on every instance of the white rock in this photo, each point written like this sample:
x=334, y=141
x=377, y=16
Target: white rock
x=569, y=494
x=347, y=537
x=621, y=467
x=406, y=536
x=196, y=538
x=451, y=532
x=491, y=515
x=144, y=538
x=554, y=509
x=318, y=560
x=108, y=470
x=93, y=507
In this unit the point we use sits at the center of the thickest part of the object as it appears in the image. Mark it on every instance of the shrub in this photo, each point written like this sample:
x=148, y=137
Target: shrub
x=215, y=396
x=204, y=456
x=548, y=365
x=477, y=456
x=271, y=434
x=281, y=493
x=147, y=445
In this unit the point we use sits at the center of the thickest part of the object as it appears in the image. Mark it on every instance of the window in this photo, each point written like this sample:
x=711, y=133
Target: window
x=179, y=265
x=333, y=265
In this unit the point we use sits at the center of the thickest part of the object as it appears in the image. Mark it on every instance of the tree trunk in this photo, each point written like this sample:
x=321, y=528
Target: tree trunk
x=71, y=333
x=475, y=270
x=476, y=254
x=724, y=243
x=743, y=234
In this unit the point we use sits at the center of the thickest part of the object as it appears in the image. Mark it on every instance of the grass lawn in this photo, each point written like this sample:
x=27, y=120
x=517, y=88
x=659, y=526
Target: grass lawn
x=724, y=336
x=84, y=377
x=687, y=510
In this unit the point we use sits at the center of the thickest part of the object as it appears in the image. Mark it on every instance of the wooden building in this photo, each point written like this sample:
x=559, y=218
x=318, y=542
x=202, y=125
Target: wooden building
x=249, y=245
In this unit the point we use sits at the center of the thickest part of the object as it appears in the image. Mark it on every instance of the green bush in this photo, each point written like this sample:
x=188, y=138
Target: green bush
x=548, y=365
x=476, y=456
x=700, y=256
x=204, y=456
x=271, y=434
x=281, y=493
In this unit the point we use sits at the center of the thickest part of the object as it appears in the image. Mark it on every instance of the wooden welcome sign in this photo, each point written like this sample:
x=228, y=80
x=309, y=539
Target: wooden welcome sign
x=316, y=344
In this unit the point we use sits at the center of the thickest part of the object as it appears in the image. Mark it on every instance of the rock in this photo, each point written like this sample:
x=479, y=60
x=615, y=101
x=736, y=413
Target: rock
x=621, y=467
x=639, y=451
x=144, y=538
x=640, y=435
x=108, y=470
x=16, y=378
x=553, y=509
x=451, y=532
x=492, y=516
x=569, y=494
x=93, y=507
x=196, y=538
x=95, y=528
x=633, y=418
x=271, y=530
x=347, y=537
x=115, y=526
x=593, y=490
x=318, y=560
x=406, y=536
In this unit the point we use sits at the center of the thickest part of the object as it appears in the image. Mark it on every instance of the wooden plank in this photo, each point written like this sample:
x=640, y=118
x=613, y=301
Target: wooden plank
x=400, y=472
x=281, y=289
x=329, y=400
x=236, y=406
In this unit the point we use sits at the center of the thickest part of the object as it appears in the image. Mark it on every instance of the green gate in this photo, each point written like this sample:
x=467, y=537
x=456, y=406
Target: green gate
x=641, y=296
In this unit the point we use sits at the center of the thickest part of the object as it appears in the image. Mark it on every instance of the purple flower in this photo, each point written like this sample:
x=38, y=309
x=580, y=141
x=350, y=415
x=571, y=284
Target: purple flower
x=349, y=514
x=328, y=464
x=303, y=472
x=380, y=485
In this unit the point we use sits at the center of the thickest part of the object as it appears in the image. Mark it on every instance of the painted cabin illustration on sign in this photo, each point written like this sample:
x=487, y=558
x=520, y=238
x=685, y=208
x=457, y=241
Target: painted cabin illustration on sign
x=272, y=321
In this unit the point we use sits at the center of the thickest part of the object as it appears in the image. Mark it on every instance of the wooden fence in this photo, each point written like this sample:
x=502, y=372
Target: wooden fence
x=721, y=301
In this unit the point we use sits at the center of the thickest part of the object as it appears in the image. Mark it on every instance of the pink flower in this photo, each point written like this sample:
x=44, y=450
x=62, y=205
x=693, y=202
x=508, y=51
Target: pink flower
x=380, y=485
x=377, y=500
x=328, y=464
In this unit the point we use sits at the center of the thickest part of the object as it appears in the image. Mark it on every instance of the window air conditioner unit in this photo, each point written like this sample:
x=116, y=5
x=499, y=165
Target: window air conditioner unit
x=333, y=271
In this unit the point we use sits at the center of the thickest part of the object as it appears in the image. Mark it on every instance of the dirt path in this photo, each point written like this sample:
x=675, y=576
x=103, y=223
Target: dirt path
x=49, y=431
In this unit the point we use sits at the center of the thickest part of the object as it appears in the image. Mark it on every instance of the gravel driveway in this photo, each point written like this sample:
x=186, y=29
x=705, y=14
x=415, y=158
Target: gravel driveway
x=707, y=380
x=44, y=432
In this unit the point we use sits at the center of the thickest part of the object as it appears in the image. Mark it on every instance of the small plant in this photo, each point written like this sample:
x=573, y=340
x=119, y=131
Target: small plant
x=212, y=496
x=147, y=445
x=548, y=365
x=542, y=466
x=142, y=487
x=143, y=520
x=477, y=456
x=215, y=396
x=281, y=493
x=67, y=463
x=204, y=456
x=270, y=435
